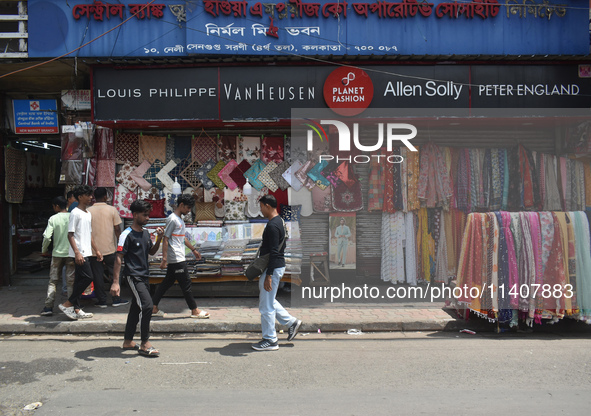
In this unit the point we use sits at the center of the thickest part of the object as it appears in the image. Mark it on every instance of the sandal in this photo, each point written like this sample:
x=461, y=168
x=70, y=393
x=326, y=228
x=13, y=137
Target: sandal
x=150, y=352
x=135, y=347
x=201, y=315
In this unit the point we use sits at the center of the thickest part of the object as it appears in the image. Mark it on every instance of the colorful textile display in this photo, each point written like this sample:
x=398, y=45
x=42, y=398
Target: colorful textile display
x=122, y=200
x=137, y=175
x=152, y=172
x=253, y=173
x=124, y=177
x=202, y=172
x=213, y=174
x=224, y=174
x=237, y=174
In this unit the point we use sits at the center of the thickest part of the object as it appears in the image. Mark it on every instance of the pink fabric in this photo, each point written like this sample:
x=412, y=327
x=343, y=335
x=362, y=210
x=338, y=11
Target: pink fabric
x=105, y=173
x=138, y=175
x=224, y=174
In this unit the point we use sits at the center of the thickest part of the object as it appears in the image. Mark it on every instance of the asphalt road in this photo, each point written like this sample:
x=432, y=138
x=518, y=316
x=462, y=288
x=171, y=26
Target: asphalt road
x=316, y=374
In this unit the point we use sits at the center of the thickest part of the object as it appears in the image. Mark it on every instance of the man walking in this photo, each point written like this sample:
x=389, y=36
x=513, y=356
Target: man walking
x=134, y=246
x=273, y=244
x=173, y=257
x=106, y=229
x=81, y=247
x=57, y=229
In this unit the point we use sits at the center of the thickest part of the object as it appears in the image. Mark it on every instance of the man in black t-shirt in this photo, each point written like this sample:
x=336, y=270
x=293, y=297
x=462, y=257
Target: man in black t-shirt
x=273, y=243
x=134, y=246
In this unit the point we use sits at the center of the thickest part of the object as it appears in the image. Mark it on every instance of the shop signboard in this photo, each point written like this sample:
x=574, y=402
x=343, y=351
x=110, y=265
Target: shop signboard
x=169, y=28
x=35, y=116
x=254, y=93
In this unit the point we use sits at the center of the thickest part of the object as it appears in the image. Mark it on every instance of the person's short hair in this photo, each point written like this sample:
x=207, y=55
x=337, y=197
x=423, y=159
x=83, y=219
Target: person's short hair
x=342, y=218
x=82, y=190
x=60, y=201
x=186, y=199
x=70, y=194
x=269, y=200
x=100, y=193
x=140, y=205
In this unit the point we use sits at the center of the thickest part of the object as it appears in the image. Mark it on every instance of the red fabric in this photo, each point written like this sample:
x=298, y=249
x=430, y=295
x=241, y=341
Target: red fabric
x=157, y=208
x=281, y=196
x=238, y=173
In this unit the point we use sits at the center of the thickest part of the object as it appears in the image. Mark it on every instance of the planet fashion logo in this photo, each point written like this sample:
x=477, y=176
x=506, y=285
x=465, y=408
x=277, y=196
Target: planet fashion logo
x=395, y=133
x=348, y=91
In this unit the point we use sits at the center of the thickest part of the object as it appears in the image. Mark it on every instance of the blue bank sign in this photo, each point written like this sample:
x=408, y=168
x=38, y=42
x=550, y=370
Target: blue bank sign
x=169, y=28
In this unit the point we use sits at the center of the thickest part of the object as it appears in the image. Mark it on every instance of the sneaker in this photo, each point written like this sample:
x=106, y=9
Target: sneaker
x=84, y=315
x=47, y=312
x=293, y=330
x=265, y=345
x=101, y=305
x=120, y=302
x=159, y=314
x=70, y=312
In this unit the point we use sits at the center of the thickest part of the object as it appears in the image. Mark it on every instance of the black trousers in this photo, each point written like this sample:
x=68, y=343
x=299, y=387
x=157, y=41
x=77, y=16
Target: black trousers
x=98, y=271
x=140, y=309
x=82, y=279
x=176, y=272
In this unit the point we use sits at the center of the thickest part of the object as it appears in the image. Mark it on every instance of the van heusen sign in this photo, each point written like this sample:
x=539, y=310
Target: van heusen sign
x=250, y=93
x=168, y=28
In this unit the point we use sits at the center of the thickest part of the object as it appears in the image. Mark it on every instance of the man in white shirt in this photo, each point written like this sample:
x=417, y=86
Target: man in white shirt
x=173, y=257
x=81, y=247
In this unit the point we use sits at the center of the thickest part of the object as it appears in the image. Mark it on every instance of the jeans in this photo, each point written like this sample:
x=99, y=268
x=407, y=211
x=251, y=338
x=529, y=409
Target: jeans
x=270, y=308
x=180, y=273
x=55, y=274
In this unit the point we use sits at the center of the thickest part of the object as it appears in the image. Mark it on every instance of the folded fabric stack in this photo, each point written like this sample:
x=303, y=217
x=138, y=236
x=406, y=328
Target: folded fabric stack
x=209, y=250
x=204, y=269
x=293, y=248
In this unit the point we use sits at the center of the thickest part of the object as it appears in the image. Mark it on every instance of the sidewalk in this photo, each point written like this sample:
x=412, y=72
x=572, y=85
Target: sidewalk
x=20, y=307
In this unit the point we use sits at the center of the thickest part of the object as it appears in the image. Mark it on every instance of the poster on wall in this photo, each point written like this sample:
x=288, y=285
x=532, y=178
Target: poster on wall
x=342, y=247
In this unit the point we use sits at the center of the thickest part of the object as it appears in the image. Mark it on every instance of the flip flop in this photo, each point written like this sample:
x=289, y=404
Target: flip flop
x=201, y=315
x=135, y=347
x=150, y=352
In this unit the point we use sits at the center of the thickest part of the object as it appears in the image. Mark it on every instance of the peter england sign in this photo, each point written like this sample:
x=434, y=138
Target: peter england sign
x=251, y=93
x=169, y=28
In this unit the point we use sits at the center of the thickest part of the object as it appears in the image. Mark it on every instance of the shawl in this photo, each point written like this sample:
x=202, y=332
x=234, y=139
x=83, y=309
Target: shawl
x=463, y=181
x=426, y=244
x=388, y=205
x=552, y=200
x=512, y=270
x=470, y=266
x=397, y=183
x=515, y=184
x=496, y=197
x=583, y=260
x=561, y=219
x=434, y=182
x=486, y=178
x=536, y=237
x=505, y=171
x=410, y=249
x=376, y=185
x=105, y=144
x=527, y=265
x=587, y=179
x=505, y=313
x=572, y=261
x=393, y=231
x=412, y=171
x=553, y=270
x=404, y=179
x=441, y=275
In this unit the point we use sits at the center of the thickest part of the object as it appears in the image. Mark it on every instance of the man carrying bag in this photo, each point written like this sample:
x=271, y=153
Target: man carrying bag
x=273, y=245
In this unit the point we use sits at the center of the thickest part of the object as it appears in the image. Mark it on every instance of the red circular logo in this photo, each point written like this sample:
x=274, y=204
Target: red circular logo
x=348, y=91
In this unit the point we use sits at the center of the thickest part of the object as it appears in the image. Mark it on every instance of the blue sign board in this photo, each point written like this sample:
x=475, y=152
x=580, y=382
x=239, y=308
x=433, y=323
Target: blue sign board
x=35, y=116
x=165, y=28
